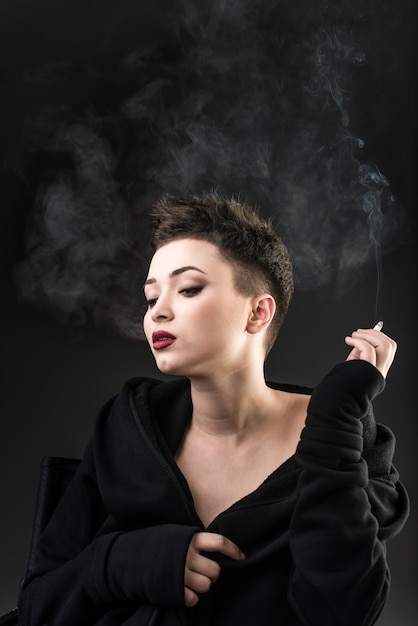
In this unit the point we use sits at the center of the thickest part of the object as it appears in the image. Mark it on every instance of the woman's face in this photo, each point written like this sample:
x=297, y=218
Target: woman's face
x=196, y=320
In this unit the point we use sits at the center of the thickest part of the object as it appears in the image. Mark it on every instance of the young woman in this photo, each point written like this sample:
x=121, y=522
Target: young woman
x=217, y=498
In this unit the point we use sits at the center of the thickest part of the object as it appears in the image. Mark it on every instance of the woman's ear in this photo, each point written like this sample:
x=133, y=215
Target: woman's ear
x=263, y=310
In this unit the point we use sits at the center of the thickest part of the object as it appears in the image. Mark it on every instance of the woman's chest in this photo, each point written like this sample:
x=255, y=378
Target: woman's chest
x=218, y=478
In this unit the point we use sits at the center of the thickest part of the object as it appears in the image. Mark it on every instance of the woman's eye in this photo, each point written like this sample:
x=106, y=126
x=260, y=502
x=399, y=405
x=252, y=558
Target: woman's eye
x=151, y=302
x=189, y=292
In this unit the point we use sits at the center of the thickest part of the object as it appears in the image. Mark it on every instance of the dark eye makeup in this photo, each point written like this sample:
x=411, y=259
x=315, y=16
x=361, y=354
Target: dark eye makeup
x=187, y=292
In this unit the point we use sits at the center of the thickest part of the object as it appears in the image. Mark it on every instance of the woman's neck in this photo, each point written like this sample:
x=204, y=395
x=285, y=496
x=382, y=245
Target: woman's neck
x=230, y=405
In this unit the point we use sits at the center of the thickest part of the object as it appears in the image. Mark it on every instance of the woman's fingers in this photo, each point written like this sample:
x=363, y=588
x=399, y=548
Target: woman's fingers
x=214, y=542
x=201, y=571
x=190, y=597
x=373, y=346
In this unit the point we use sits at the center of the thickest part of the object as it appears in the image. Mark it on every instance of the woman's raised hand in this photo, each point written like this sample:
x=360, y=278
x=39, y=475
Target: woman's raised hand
x=370, y=344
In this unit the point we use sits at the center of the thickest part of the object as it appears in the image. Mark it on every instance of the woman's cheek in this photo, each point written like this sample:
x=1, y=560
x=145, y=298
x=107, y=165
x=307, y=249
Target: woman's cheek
x=145, y=326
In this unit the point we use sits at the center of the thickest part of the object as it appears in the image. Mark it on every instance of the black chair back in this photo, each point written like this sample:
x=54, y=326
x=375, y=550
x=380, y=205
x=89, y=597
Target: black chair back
x=55, y=476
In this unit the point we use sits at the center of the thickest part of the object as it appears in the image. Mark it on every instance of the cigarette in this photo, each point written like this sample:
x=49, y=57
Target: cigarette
x=378, y=326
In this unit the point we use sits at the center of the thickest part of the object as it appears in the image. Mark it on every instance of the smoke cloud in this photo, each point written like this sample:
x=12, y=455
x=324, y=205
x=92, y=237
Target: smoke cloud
x=257, y=98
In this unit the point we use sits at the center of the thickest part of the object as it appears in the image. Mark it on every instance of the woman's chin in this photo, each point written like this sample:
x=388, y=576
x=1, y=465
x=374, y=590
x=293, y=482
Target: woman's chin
x=166, y=366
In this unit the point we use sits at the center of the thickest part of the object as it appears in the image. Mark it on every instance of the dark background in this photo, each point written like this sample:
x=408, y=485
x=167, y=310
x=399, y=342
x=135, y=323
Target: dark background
x=57, y=372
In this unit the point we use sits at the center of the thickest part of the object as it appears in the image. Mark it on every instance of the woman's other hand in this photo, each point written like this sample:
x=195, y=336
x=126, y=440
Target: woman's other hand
x=200, y=571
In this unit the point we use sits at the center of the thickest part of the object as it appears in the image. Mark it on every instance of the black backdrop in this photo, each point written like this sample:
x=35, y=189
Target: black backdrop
x=57, y=374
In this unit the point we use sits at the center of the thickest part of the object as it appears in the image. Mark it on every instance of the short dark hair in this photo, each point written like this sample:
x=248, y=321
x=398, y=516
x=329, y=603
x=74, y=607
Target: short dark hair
x=260, y=259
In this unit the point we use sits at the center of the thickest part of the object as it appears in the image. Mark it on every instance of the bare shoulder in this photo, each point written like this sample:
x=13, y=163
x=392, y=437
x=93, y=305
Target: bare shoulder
x=288, y=411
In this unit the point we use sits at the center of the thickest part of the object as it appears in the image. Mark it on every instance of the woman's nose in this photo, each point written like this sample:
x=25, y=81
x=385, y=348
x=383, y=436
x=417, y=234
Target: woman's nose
x=161, y=310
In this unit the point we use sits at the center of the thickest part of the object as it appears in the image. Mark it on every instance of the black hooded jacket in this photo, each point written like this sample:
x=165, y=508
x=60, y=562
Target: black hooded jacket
x=313, y=532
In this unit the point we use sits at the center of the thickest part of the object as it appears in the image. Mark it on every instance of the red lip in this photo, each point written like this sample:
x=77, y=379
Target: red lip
x=162, y=339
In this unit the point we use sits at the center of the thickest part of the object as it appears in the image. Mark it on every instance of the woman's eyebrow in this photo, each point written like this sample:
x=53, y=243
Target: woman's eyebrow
x=176, y=272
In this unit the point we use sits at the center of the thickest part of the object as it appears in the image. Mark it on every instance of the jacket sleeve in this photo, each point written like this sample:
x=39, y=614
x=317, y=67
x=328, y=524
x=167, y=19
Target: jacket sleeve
x=86, y=565
x=349, y=502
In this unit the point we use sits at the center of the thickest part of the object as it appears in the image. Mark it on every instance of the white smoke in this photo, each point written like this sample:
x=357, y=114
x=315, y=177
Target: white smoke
x=252, y=97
